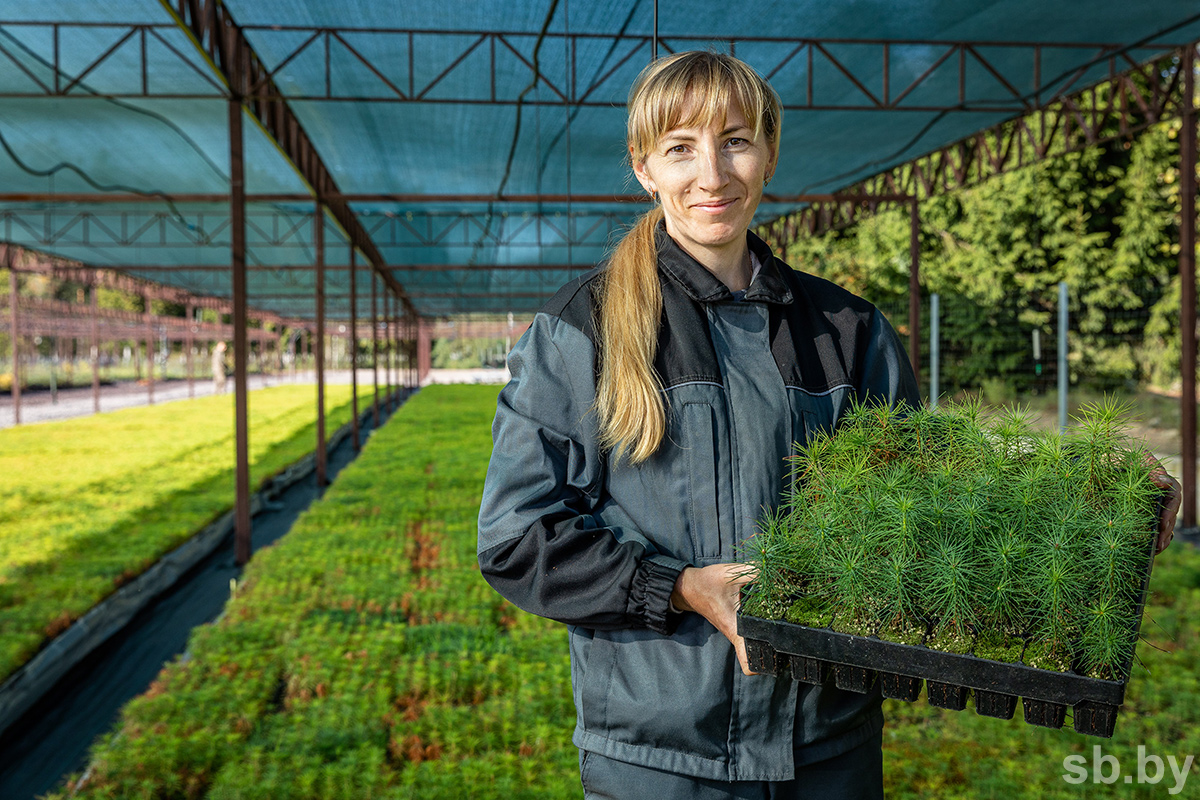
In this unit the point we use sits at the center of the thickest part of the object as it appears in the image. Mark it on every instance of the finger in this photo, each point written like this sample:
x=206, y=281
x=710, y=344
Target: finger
x=739, y=647
x=741, y=574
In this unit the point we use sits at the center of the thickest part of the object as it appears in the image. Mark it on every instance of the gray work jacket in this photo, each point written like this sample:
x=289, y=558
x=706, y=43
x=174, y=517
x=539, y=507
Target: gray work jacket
x=566, y=534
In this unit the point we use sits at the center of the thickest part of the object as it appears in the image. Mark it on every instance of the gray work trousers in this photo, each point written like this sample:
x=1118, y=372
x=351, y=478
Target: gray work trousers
x=854, y=775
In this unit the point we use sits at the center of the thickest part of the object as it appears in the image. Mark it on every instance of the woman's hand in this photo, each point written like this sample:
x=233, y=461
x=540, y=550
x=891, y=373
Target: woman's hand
x=1166, y=522
x=714, y=592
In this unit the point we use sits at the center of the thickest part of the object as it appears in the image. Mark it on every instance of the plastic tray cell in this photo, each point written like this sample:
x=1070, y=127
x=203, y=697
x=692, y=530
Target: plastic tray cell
x=995, y=704
x=899, y=687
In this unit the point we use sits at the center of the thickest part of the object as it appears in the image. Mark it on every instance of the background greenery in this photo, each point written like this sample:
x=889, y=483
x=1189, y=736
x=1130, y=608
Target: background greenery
x=1105, y=220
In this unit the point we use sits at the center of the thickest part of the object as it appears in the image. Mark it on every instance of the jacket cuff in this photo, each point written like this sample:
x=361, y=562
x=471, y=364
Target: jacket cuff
x=650, y=594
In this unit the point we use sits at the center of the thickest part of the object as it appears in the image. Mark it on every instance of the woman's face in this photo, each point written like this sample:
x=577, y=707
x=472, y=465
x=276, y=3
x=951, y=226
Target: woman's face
x=710, y=181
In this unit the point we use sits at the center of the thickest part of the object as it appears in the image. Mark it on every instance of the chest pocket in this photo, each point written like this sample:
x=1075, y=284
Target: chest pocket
x=700, y=430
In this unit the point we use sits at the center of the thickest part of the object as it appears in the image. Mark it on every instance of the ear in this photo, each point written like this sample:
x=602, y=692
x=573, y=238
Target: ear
x=639, y=171
x=772, y=162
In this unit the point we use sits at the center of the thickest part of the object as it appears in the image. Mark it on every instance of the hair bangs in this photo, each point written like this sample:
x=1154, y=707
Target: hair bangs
x=697, y=89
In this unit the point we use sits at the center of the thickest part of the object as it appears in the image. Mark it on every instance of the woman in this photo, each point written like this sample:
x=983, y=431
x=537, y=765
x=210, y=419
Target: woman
x=644, y=432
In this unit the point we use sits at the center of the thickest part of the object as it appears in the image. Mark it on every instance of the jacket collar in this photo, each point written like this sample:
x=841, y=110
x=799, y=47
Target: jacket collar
x=704, y=287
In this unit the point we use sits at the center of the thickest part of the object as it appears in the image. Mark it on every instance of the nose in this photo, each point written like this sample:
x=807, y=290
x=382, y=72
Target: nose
x=712, y=169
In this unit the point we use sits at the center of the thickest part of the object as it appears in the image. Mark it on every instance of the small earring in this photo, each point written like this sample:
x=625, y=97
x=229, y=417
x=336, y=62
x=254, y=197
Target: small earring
x=653, y=196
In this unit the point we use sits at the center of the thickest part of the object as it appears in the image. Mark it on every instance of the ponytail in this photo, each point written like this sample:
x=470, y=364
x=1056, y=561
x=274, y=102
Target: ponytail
x=629, y=401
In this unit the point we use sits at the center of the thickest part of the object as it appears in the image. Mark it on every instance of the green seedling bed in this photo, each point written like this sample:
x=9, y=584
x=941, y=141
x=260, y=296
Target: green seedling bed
x=857, y=663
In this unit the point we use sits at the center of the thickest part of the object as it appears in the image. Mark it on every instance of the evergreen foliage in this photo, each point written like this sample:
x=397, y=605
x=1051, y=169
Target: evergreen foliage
x=1105, y=220
x=907, y=522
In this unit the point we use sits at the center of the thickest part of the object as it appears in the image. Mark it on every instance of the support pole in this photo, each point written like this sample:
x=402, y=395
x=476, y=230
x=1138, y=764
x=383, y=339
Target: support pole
x=189, y=343
x=914, y=288
x=1063, y=320
x=1187, y=279
x=387, y=356
x=149, y=351
x=319, y=344
x=935, y=348
x=402, y=328
x=396, y=351
x=354, y=351
x=424, y=350
x=375, y=346
x=401, y=350
x=95, y=348
x=10, y=263
x=237, y=217
x=407, y=339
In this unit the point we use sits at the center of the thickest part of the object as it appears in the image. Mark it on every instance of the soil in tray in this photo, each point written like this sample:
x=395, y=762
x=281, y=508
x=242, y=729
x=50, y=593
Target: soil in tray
x=902, y=633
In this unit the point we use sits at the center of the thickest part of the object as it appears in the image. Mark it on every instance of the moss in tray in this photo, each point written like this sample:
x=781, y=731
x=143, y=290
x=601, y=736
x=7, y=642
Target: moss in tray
x=809, y=611
x=903, y=515
x=999, y=646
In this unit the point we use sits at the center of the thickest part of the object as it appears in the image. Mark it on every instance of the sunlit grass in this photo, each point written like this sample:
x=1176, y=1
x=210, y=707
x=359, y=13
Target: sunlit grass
x=88, y=503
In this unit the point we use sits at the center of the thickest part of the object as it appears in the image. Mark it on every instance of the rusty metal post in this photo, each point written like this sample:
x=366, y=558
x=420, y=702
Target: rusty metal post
x=319, y=345
x=10, y=263
x=387, y=355
x=189, y=343
x=237, y=216
x=354, y=351
x=375, y=346
x=95, y=303
x=411, y=347
x=424, y=350
x=149, y=351
x=396, y=345
x=394, y=327
x=1187, y=279
x=393, y=356
x=914, y=288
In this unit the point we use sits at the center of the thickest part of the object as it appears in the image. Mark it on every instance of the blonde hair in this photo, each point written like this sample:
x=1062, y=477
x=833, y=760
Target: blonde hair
x=683, y=90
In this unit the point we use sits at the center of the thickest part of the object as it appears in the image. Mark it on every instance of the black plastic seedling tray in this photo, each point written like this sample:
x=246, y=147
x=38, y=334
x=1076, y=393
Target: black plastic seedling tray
x=857, y=663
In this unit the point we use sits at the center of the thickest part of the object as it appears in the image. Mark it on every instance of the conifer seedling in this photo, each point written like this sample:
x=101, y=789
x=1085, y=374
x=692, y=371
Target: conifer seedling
x=933, y=527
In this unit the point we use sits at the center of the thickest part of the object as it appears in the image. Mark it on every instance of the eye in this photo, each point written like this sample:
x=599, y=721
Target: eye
x=678, y=149
x=737, y=142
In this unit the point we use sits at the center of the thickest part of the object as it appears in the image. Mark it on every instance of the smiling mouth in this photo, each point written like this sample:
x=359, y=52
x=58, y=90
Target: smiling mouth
x=714, y=206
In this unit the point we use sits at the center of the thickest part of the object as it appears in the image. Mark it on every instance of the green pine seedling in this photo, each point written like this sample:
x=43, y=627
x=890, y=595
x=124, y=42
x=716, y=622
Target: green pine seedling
x=903, y=516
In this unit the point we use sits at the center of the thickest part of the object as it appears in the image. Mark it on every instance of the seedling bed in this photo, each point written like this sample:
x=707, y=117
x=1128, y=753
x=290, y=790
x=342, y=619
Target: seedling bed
x=856, y=663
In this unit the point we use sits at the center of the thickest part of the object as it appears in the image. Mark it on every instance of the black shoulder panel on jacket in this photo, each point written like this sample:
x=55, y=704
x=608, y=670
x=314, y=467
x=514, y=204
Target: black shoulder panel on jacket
x=684, y=349
x=819, y=339
x=574, y=303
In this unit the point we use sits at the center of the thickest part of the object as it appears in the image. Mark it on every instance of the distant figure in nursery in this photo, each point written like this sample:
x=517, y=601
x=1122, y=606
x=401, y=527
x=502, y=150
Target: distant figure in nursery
x=218, y=368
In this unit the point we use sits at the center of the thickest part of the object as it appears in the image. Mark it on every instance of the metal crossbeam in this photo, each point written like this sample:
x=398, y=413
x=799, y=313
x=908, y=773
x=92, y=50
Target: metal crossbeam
x=224, y=44
x=834, y=73
x=1114, y=110
x=30, y=261
x=44, y=317
x=50, y=227
x=115, y=228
